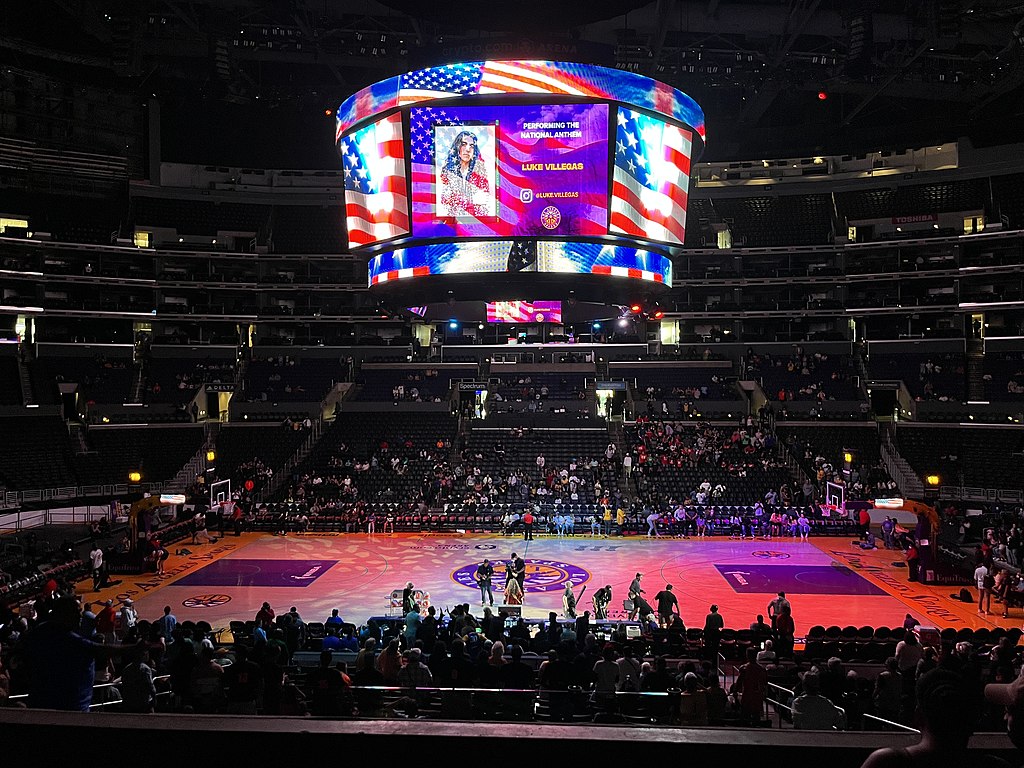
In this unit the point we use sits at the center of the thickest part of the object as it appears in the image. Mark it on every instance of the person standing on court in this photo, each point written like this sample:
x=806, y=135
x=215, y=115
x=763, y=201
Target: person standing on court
x=519, y=573
x=634, y=595
x=408, y=599
x=775, y=610
x=713, y=625
x=668, y=606
x=483, y=575
x=528, y=525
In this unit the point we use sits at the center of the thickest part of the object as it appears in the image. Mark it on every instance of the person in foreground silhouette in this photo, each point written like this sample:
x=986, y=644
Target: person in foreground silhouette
x=946, y=717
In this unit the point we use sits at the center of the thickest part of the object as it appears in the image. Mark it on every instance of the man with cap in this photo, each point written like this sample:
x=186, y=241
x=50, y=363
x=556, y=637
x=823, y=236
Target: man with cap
x=129, y=616
x=106, y=621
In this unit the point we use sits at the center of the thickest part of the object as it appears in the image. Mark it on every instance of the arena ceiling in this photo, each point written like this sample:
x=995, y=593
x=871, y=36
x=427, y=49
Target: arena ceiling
x=775, y=77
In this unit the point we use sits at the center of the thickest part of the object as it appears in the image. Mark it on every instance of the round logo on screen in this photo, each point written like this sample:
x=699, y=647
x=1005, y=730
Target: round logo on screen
x=541, y=575
x=550, y=217
x=205, y=601
x=769, y=554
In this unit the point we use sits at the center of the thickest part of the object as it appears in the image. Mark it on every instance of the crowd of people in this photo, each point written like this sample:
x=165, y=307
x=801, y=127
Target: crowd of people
x=806, y=376
x=72, y=654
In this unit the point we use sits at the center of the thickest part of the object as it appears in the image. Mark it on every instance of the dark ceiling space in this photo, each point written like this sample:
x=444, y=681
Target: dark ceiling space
x=247, y=82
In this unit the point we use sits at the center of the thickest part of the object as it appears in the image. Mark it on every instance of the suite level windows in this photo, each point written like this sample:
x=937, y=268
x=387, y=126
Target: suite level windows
x=141, y=239
x=6, y=224
x=974, y=224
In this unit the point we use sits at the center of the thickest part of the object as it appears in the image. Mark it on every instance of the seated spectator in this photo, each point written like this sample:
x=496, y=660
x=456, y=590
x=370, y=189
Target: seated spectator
x=766, y=656
x=693, y=702
x=947, y=716
x=812, y=711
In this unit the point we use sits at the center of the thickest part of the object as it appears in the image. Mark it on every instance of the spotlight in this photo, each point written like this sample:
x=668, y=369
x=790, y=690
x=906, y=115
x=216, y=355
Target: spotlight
x=636, y=309
x=822, y=95
x=657, y=314
x=596, y=326
x=623, y=322
x=453, y=324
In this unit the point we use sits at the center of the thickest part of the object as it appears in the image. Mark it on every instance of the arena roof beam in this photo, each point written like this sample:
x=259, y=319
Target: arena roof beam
x=921, y=49
x=190, y=21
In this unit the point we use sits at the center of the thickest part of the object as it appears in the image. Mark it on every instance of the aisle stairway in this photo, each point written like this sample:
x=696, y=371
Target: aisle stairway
x=25, y=378
x=975, y=369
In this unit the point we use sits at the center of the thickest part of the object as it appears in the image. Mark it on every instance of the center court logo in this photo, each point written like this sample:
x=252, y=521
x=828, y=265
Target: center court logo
x=770, y=554
x=541, y=575
x=205, y=601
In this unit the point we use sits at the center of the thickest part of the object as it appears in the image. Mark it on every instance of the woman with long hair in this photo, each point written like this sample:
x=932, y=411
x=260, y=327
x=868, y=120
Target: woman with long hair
x=513, y=592
x=465, y=188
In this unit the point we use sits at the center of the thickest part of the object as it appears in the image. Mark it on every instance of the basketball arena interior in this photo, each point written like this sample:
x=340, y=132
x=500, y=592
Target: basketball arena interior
x=685, y=335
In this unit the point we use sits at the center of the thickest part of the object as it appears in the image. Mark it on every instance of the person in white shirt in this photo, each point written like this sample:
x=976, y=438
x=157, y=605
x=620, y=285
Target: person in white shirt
x=984, y=582
x=96, y=563
x=129, y=616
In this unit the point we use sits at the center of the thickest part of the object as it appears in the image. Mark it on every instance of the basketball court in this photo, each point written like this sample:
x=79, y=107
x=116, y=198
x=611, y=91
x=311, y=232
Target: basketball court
x=828, y=580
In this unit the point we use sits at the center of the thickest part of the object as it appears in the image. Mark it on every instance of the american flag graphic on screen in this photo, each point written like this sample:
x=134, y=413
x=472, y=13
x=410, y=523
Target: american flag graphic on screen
x=424, y=209
x=486, y=77
x=376, y=191
x=439, y=83
x=651, y=178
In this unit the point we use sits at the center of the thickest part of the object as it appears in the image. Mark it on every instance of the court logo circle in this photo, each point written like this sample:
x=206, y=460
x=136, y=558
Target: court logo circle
x=205, y=601
x=550, y=217
x=541, y=575
x=770, y=554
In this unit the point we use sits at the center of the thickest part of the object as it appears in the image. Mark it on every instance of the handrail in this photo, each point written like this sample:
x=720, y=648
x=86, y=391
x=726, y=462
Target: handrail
x=779, y=704
x=900, y=726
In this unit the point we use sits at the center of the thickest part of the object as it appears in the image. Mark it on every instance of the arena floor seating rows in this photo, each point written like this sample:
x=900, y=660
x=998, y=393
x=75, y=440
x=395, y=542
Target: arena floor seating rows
x=559, y=447
x=949, y=381
x=157, y=452
x=359, y=437
x=965, y=456
x=272, y=444
x=100, y=379
x=832, y=442
x=1004, y=368
x=10, y=383
x=291, y=381
x=41, y=455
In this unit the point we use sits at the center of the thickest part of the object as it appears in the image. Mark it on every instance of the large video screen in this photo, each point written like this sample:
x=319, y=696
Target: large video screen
x=651, y=178
x=524, y=311
x=511, y=170
x=551, y=257
x=376, y=191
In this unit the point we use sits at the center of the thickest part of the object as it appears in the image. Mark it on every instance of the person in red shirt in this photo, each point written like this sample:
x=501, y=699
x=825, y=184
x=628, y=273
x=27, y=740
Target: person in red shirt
x=865, y=523
x=912, y=561
x=752, y=686
x=528, y=526
x=106, y=620
x=265, y=617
